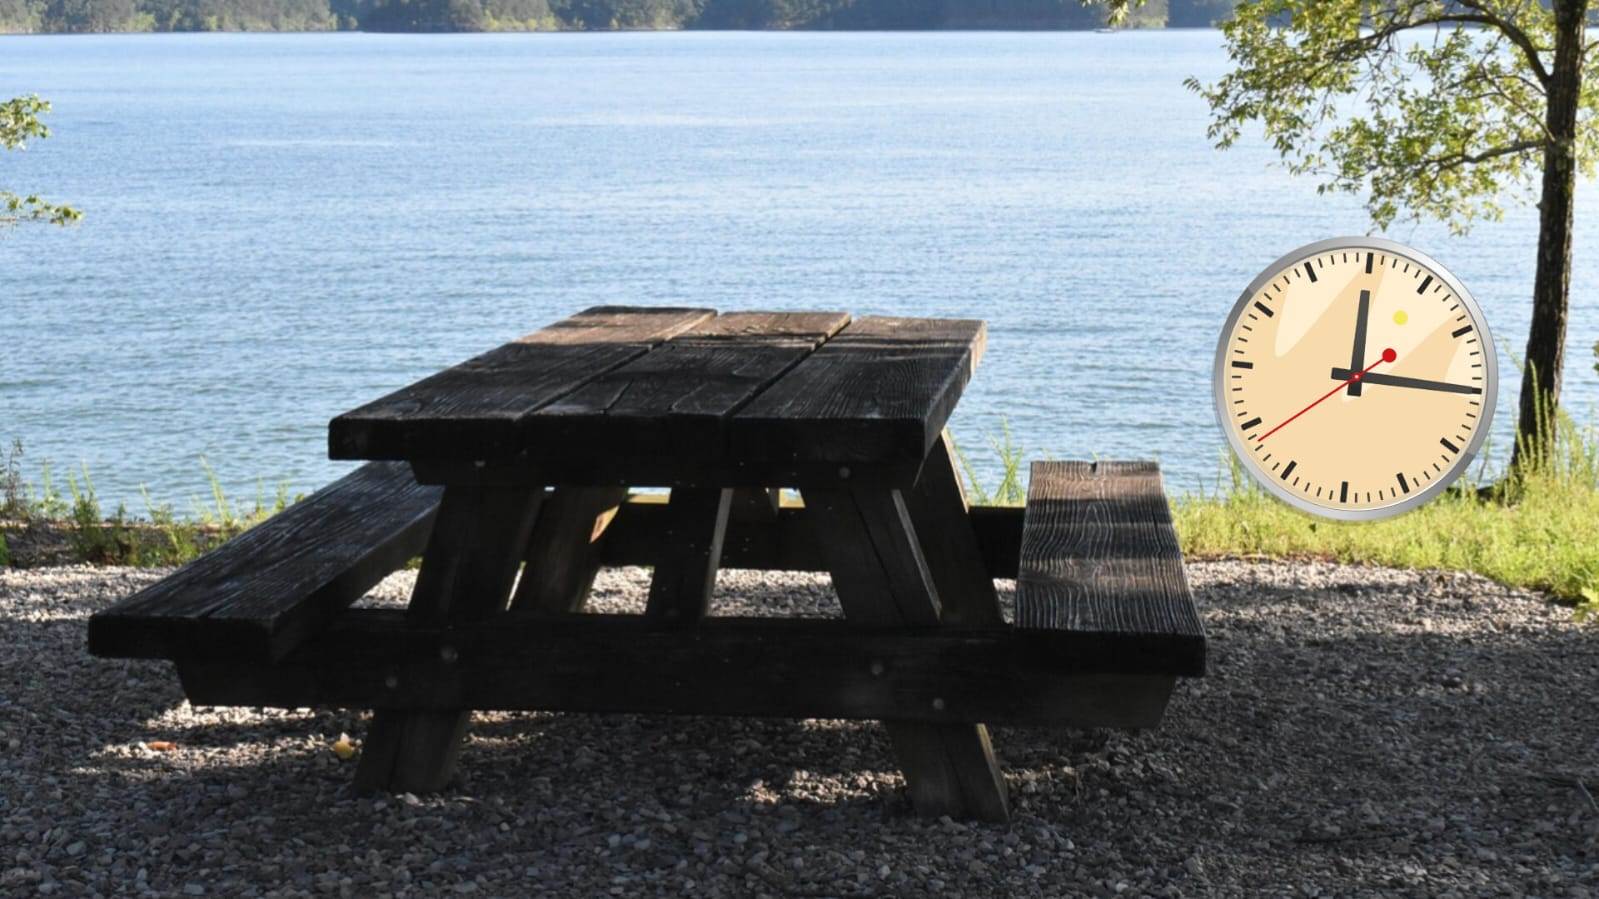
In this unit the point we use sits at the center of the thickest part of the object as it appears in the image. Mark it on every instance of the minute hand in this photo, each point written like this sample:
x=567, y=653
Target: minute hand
x=1386, y=380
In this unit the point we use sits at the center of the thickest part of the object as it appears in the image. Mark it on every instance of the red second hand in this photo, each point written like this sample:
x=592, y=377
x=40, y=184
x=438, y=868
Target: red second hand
x=1388, y=355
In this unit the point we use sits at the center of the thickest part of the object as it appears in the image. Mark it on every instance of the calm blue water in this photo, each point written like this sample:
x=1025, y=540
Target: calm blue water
x=281, y=227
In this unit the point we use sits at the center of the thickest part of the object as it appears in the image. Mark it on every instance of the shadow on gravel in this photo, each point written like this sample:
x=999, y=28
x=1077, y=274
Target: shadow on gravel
x=1398, y=737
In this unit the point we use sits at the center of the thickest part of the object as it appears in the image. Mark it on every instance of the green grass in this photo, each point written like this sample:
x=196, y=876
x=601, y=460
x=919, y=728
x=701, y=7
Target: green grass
x=163, y=537
x=1545, y=537
x=1542, y=534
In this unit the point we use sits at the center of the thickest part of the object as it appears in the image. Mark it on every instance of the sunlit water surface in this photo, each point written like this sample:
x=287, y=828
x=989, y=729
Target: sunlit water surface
x=281, y=227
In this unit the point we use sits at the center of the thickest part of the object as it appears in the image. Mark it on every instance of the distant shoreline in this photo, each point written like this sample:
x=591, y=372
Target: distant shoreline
x=493, y=16
x=965, y=29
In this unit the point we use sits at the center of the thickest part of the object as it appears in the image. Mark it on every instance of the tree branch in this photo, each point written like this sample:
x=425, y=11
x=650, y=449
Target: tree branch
x=1510, y=30
x=1364, y=43
x=1456, y=160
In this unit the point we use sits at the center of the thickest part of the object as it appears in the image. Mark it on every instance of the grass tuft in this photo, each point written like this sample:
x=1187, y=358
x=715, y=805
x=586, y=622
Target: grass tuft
x=1011, y=490
x=163, y=538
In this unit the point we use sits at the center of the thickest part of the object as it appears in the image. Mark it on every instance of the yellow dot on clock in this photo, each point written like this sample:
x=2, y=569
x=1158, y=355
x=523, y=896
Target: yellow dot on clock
x=1400, y=317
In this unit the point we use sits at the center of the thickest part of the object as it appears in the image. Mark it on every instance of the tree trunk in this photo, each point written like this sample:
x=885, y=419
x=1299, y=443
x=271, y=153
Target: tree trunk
x=1546, y=339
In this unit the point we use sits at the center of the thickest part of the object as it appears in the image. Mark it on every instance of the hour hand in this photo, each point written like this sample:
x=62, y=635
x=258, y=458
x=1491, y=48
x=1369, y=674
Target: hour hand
x=1357, y=359
x=1342, y=374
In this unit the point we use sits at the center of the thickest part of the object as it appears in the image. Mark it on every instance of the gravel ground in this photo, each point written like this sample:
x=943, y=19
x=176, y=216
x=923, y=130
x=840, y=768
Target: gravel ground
x=1362, y=732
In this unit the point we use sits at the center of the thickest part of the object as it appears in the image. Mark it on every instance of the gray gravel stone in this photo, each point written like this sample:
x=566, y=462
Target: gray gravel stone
x=1363, y=732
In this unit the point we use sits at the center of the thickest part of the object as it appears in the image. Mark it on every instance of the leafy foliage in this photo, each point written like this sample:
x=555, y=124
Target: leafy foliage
x=19, y=123
x=1428, y=108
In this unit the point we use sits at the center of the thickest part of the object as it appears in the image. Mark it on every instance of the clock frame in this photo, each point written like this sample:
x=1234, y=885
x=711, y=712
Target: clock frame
x=1330, y=506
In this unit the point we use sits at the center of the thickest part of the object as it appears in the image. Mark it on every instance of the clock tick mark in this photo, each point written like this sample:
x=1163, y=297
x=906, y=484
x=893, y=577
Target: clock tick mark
x=1424, y=285
x=1238, y=363
x=1264, y=309
x=1343, y=491
x=1403, y=484
x=1369, y=257
x=1289, y=470
x=1311, y=272
x=1459, y=332
x=1249, y=424
x=1448, y=446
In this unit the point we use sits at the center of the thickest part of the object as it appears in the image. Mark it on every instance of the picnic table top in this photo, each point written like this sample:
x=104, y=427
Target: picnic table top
x=664, y=395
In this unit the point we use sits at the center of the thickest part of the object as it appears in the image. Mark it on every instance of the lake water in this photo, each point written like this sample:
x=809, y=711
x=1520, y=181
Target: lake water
x=279, y=227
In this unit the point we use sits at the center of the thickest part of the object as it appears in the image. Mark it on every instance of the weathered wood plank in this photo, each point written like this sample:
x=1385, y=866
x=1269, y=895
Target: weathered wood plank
x=264, y=592
x=788, y=542
x=478, y=409
x=630, y=464
x=937, y=506
x=1100, y=558
x=691, y=553
x=563, y=554
x=877, y=393
x=467, y=572
x=677, y=399
x=794, y=668
x=871, y=549
x=756, y=504
x=882, y=579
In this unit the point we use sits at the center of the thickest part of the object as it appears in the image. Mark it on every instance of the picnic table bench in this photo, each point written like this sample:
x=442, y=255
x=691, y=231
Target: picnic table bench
x=509, y=473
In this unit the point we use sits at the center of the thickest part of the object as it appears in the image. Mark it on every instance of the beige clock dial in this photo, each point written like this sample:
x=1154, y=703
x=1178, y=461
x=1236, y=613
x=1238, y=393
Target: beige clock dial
x=1355, y=378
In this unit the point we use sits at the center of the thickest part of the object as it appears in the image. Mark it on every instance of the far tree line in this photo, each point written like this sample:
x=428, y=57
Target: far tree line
x=555, y=15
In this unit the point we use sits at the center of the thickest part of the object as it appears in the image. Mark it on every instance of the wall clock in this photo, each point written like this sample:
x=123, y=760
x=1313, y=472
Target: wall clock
x=1355, y=378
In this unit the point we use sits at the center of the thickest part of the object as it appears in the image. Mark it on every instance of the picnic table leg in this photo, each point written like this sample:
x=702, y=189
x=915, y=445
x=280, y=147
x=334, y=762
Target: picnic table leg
x=691, y=552
x=563, y=554
x=882, y=578
x=467, y=571
x=756, y=503
x=944, y=529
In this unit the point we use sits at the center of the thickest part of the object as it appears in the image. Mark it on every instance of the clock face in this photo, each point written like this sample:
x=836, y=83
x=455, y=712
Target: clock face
x=1355, y=378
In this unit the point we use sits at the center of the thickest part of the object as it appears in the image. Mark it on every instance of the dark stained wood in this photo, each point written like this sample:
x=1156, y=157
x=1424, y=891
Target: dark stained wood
x=788, y=542
x=999, y=537
x=883, y=580
x=264, y=592
x=797, y=668
x=937, y=506
x=870, y=547
x=691, y=551
x=879, y=392
x=478, y=409
x=1100, y=558
x=756, y=504
x=630, y=464
x=467, y=572
x=563, y=554
x=677, y=399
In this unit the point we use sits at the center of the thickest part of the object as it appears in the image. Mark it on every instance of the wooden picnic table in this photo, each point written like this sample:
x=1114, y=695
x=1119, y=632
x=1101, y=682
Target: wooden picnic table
x=509, y=475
